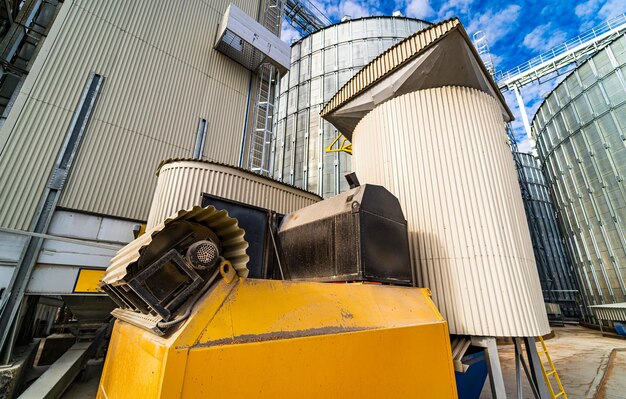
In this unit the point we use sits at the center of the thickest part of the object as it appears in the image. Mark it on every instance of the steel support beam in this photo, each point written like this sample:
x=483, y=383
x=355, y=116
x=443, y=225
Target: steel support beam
x=536, y=373
x=519, y=360
x=574, y=50
x=522, y=110
x=496, y=380
x=58, y=377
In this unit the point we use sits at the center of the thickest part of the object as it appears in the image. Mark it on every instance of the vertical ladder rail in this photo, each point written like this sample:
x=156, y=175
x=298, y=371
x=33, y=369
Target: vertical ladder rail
x=546, y=374
x=267, y=75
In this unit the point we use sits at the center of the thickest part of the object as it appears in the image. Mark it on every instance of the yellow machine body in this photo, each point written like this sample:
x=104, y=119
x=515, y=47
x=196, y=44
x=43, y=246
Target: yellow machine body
x=250, y=338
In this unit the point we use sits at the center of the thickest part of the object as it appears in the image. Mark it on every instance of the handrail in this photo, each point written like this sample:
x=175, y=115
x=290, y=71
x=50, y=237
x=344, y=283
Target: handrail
x=616, y=24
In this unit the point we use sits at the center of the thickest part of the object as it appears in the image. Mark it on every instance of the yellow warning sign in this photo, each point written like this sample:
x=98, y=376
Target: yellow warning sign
x=88, y=280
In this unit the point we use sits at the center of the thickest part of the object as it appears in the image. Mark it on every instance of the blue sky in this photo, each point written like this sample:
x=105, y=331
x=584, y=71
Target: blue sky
x=516, y=30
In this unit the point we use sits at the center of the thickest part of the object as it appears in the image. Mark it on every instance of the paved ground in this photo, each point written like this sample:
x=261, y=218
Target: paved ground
x=614, y=384
x=581, y=356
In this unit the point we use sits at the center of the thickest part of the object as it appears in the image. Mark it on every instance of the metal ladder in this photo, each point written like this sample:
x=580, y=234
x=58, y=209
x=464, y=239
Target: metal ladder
x=267, y=75
x=546, y=374
x=264, y=112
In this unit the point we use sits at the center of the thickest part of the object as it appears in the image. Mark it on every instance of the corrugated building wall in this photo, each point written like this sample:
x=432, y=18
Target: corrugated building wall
x=161, y=76
x=445, y=156
x=181, y=183
x=580, y=131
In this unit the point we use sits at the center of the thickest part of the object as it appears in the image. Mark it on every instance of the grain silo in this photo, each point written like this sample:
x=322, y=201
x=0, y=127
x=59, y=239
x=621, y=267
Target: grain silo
x=556, y=274
x=580, y=137
x=321, y=63
x=437, y=141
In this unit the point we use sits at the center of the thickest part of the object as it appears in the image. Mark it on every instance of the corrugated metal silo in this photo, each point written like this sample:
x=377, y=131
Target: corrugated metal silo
x=320, y=64
x=581, y=140
x=556, y=273
x=428, y=123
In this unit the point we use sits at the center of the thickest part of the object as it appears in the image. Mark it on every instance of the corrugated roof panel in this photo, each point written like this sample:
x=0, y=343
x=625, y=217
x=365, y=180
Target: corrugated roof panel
x=376, y=69
x=443, y=153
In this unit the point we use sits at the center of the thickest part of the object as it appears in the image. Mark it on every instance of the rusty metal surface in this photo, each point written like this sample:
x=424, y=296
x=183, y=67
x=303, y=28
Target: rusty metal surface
x=272, y=336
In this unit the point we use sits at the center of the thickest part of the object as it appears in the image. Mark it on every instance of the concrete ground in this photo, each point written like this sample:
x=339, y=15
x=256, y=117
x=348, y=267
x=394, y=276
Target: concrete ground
x=581, y=357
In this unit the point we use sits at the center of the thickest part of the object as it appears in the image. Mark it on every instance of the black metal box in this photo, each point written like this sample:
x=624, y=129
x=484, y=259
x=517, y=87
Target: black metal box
x=360, y=235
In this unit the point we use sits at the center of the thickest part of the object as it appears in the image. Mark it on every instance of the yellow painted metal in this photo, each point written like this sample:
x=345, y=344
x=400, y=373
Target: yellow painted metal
x=262, y=338
x=345, y=145
x=547, y=374
x=88, y=281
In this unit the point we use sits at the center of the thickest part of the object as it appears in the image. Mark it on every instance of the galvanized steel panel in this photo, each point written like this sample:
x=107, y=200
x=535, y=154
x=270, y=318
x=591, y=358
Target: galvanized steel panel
x=556, y=272
x=181, y=184
x=444, y=153
x=579, y=130
x=161, y=75
x=321, y=63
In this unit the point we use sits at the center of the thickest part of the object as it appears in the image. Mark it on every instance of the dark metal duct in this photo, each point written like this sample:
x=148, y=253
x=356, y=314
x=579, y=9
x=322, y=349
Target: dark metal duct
x=360, y=235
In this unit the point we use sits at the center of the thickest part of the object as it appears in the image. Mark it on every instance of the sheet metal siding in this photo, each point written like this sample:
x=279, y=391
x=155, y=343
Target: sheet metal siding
x=580, y=133
x=556, y=272
x=161, y=75
x=322, y=63
x=180, y=185
x=443, y=152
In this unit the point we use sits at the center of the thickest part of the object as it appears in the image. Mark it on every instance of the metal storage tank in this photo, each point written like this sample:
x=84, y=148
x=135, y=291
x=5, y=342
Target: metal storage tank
x=321, y=63
x=556, y=273
x=437, y=141
x=182, y=181
x=580, y=133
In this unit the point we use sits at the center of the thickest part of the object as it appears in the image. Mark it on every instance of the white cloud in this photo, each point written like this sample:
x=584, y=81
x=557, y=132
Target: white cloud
x=289, y=33
x=419, y=9
x=586, y=9
x=495, y=25
x=453, y=8
x=354, y=8
x=612, y=8
x=593, y=12
x=523, y=144
x=544, y=37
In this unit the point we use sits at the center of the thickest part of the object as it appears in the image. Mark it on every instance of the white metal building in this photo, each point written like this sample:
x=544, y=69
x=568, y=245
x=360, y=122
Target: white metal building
x=115, y=88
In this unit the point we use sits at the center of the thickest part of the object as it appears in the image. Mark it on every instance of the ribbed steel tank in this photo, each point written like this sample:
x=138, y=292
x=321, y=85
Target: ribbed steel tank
x=444, y=154
x=181, y=183
x=320, y=64
x=556, y=272
x=580, y=130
